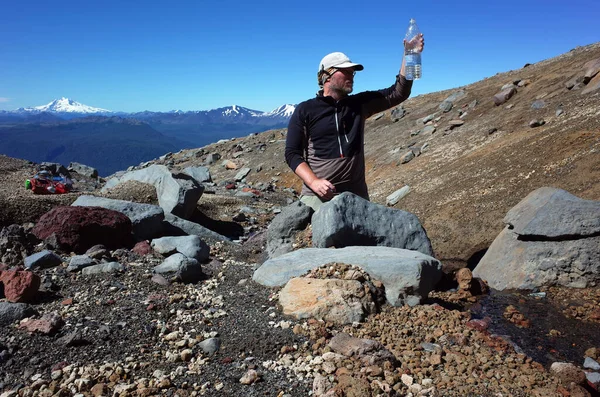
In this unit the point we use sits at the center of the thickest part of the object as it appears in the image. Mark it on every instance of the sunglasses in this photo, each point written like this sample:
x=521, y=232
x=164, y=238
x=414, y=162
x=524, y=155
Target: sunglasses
x=347, y=72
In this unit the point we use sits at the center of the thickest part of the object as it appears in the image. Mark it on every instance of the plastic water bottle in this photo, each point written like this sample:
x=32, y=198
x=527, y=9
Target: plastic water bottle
x=412, y=56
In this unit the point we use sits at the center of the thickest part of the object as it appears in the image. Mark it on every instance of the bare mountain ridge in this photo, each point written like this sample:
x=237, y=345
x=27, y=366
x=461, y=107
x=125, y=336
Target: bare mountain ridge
x=466, y=179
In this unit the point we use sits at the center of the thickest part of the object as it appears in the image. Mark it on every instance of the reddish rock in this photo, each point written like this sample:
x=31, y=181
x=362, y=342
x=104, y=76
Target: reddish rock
x=142, y=248
x=253, y=191
x=79, y=228
x=48, y=324
x=20, y=286
x=479, y=325
x=230, y=186
x=67, y=302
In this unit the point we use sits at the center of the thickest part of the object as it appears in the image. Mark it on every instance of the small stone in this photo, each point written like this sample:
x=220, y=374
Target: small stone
x=590, y=363
x=249, y=377
x=536, y=123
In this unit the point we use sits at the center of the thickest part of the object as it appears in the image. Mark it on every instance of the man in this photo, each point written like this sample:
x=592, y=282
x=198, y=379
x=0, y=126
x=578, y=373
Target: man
x=325, y=139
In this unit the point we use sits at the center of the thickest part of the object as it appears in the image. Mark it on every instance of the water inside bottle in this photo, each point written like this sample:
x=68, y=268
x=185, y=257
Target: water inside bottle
x=412, y=67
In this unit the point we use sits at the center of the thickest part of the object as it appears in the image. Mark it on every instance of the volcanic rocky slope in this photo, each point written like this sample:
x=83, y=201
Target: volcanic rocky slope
x=467, y=162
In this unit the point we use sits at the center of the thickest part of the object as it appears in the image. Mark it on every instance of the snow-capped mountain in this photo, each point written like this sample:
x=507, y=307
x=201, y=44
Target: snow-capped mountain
x=66, y=105
x=282, y=111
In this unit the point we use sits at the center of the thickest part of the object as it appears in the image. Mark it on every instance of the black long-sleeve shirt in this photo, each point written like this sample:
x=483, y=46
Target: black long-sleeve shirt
x=329, y=135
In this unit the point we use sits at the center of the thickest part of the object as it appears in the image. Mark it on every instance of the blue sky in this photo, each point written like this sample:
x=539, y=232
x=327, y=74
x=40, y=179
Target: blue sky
x=200, y=55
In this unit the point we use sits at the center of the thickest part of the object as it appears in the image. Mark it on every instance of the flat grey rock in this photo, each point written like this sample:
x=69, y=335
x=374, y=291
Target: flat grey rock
x=43, y=259
x=408, y=276
x=111, y=267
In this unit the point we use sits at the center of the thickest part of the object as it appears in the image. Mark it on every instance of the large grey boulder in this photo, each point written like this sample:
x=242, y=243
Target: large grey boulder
x=190, y=246
x=349, y=220
x=177, y=194
x=552, y=238
x=146, y=219
x=280, y=234
x=408, y=276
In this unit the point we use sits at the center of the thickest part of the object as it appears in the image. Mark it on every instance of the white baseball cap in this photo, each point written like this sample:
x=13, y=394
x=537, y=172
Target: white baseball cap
x=338, y=60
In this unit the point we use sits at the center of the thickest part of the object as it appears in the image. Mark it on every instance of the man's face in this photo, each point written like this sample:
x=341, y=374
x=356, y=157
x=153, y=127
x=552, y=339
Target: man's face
x=342, y=80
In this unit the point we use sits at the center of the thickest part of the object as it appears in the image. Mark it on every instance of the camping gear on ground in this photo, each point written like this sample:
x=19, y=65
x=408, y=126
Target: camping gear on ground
x=45, y=183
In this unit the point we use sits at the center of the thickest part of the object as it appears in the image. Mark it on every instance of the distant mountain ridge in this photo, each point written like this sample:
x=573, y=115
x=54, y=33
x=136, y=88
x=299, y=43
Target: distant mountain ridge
x=66, y=130
x=72, y=108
